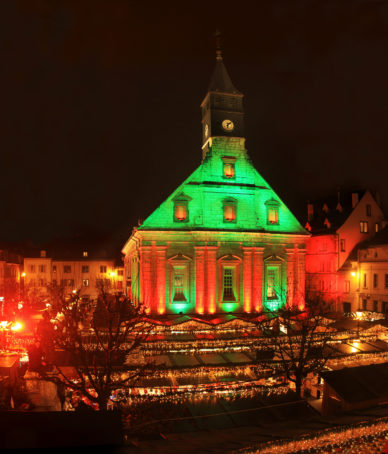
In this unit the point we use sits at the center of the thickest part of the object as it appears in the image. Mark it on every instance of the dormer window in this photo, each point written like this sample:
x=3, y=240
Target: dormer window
x=181, y=208
x=229, y=170
x=230, y=210
x=180, y=212
x=272, y=212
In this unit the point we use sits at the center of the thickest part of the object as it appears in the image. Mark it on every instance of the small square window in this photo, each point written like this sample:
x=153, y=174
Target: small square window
x=84, y=253
x=32, y=268
x=85, y=269
x=54, y=268
x=85, y=282
x=67, y=268
x=103, y=269
x=363, y=226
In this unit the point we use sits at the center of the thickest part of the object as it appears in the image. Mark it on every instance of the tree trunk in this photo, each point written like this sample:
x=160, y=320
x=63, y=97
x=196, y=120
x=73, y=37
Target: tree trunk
x=298, y=387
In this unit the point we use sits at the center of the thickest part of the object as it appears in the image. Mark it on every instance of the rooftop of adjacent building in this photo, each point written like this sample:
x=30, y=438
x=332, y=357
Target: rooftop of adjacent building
x=326, y=215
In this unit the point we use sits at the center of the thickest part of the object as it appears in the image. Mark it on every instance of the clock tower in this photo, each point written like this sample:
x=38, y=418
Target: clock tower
x=222, y=108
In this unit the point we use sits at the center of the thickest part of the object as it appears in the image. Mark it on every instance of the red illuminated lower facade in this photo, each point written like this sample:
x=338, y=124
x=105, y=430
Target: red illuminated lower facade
x=214, y=272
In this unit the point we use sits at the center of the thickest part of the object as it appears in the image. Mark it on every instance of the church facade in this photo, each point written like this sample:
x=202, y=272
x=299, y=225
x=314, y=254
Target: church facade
x=223, y=241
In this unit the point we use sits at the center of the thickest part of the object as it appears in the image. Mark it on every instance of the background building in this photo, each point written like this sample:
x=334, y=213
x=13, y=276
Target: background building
x=338, y=224
x=223, y=241
x=74, y=268
x=10, y=280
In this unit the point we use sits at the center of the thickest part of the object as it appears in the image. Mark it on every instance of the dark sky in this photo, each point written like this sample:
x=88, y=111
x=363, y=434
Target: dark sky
x=100, y=103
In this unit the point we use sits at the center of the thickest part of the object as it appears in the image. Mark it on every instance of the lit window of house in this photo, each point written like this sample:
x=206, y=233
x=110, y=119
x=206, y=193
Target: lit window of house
x=181, y=208
x=364, y=226
x=376, y=227
x=272, y=206
x=85, y=282
x=343, y=245
x=85, y=253
x=230, y=210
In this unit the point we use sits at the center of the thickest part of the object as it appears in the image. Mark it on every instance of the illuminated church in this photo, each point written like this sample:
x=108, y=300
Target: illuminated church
x=223, y=241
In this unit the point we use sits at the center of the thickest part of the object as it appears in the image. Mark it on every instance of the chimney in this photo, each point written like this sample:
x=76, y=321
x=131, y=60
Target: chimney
x=310, y=211
x=354, y=199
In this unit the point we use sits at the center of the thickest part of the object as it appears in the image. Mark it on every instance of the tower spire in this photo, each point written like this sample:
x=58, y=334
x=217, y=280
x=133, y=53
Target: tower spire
x=217, y=34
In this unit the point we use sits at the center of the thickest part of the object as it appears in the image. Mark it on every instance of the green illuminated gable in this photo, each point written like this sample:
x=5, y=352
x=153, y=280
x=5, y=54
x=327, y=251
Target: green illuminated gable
x=206, y=192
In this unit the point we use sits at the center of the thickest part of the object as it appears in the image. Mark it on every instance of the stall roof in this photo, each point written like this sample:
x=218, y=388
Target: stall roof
x=237, y=357
x=181, y=360
x=363, y=346
x=356, y=384
x=209, y=359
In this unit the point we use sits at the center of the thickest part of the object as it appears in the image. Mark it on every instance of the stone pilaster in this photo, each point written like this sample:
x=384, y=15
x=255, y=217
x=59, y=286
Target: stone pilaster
x=247, y=272
x=200, y=279
x=211, y=279
x=257, y=297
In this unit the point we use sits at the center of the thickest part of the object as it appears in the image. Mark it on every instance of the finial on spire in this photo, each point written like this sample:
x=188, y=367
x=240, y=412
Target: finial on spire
x=217, y=34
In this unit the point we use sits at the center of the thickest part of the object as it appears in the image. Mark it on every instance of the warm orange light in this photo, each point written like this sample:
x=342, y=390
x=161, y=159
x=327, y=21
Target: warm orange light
x=180, y=212
x=74, y=291
x=17, y=326
x=228, y=170
x=112, y=274
x=353, y=273
x=230, y=213
x=23, y=274
x=272, y=215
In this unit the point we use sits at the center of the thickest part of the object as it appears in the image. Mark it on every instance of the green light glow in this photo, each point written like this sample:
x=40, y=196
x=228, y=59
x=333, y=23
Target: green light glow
x=206, y=189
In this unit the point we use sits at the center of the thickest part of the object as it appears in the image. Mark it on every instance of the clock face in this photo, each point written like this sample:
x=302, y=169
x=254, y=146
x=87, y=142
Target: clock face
x=206, y=130
x=228, y=125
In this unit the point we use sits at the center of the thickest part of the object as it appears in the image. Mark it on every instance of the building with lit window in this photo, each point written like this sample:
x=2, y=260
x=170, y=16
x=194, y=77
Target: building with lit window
x=223, y=241
x=73, y=269
x=338, y=224
x=369, y=273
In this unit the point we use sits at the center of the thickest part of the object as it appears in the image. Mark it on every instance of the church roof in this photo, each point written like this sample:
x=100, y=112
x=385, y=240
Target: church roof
x=206, y=191
x=221, y=80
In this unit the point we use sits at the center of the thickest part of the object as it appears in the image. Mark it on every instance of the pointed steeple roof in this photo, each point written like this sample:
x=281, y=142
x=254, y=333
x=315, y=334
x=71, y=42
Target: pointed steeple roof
x=220, y=80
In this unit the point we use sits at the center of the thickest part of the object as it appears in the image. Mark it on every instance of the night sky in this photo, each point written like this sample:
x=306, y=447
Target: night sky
x=100, y=104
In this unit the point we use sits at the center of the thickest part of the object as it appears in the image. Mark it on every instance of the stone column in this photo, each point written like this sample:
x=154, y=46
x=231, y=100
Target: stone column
x=257, y=297
x=291, y=277
x=146, y=277
x=300, y=276
x=211, y=279
x=247, y=279
x=200, y=279
x=160, y=291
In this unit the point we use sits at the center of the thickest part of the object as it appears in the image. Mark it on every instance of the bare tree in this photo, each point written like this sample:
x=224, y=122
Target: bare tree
x=96, y=354
x=299, y=340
